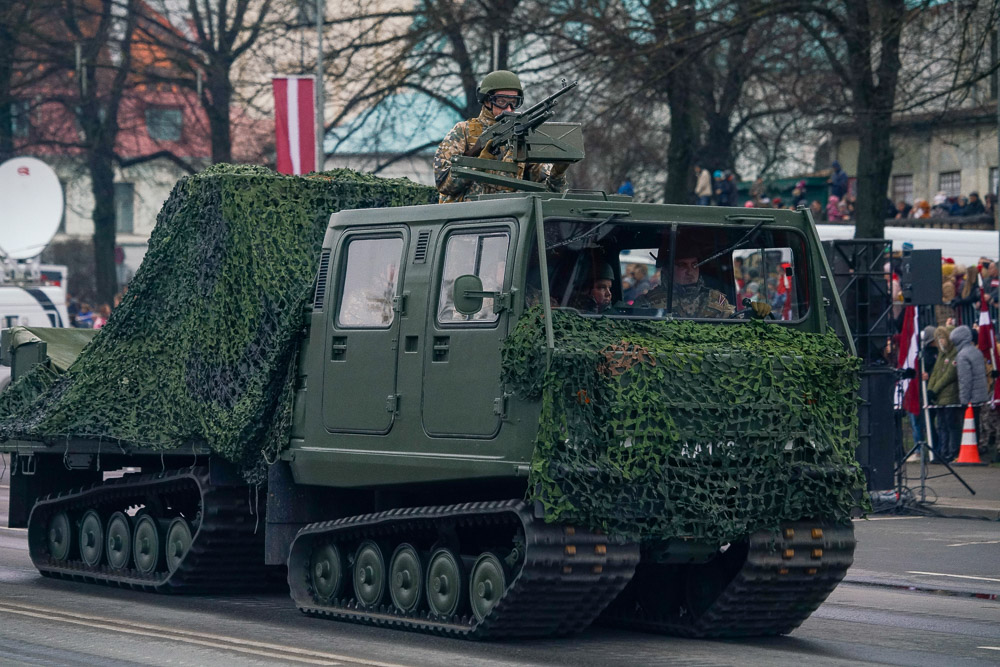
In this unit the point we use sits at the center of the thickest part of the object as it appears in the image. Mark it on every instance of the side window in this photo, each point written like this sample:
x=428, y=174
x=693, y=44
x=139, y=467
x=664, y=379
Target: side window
x=369, y=283
x=483, y=254
x=771, y=275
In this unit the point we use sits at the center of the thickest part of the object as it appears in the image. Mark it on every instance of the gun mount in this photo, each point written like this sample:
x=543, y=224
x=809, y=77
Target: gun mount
x=528, y=138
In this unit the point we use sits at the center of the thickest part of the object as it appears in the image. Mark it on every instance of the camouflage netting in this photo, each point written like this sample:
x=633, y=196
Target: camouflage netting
x=654, y=429
x=202, y=349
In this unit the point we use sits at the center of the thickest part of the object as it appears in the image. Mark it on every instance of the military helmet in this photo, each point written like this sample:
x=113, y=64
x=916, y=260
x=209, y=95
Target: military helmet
x=499, y=80
x=599, y=270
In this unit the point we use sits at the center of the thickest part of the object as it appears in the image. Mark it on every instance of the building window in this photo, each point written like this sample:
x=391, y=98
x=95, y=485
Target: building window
x=902, y=188
x=124, y=208
x=950, y=183
x=20, y=119
x=994, y=184
x=164, y=124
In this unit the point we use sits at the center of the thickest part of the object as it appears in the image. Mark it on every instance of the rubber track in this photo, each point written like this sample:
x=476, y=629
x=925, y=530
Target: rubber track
x=786, y=576
x=567, y=578
x=227, y=549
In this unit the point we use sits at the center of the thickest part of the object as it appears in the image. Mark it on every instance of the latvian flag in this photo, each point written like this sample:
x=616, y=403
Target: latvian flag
x=987, y=341
x=910, y=389
x=295, y=124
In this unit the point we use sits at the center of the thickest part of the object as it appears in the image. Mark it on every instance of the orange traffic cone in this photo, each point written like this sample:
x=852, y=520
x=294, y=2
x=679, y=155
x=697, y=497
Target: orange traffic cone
x=968, y=455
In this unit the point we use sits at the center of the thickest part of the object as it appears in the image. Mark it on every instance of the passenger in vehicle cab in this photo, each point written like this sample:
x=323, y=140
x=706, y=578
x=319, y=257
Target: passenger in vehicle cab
x=597, y=295
x=691, y=296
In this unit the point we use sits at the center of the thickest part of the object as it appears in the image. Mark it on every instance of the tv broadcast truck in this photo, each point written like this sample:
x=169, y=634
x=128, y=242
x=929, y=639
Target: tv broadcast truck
x=414, y=411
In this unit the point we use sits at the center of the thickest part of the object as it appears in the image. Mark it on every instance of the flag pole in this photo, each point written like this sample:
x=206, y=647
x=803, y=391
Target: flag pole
x=993, y=345
x=320, y=157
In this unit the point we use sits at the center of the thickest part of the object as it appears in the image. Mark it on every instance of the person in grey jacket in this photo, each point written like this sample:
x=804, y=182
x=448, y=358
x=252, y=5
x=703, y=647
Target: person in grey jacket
x=971, y=368
x=972, y=386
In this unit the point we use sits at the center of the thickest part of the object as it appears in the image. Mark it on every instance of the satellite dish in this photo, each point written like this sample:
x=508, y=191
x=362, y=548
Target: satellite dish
x=31, y=206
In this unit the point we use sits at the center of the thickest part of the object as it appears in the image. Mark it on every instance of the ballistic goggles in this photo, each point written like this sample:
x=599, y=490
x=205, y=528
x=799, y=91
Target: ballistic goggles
x=506, y=101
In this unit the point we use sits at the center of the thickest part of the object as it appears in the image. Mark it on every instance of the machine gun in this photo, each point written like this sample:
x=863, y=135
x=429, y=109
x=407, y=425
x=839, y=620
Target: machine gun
x=529, y=138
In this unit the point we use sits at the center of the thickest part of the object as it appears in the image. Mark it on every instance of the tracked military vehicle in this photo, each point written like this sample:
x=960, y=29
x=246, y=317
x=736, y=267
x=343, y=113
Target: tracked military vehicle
x=424, y=414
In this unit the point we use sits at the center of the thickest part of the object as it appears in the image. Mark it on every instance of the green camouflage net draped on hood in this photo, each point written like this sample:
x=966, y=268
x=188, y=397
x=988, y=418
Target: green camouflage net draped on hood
x=657, y=430
x=202, y=348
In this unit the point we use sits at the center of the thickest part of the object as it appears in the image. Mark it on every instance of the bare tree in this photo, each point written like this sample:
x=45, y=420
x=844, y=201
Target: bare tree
x=865, y=42
x=15, y=20
x=82, y=50
x=696, y=66
x=402, y=66
x=202, y=42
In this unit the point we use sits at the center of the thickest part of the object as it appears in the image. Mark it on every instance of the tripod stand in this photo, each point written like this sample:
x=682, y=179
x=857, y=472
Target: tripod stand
x=929, y=438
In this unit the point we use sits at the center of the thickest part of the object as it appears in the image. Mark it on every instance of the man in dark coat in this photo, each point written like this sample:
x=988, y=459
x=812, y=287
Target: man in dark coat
x=838, y=181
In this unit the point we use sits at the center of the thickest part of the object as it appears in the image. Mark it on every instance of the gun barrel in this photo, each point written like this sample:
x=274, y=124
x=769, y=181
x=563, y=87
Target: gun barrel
x=548, y=100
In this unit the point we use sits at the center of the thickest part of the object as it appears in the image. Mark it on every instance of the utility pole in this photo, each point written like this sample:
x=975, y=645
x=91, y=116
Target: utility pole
x=320, y=156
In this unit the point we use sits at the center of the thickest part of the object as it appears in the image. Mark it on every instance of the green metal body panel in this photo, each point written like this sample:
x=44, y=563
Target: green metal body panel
x=420, y=400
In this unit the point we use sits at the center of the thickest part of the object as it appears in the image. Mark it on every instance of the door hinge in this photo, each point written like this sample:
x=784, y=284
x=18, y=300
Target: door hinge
x=392, y=403
x=505, y=301
x=500, y=405
x=399, y=303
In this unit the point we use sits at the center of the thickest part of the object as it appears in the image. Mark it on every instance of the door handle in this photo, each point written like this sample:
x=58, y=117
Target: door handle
x=441, y=346
x=338, y=348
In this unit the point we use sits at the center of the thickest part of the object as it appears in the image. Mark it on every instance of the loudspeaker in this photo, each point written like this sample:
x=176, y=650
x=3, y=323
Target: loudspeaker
x=920, y=277
x=876, y=437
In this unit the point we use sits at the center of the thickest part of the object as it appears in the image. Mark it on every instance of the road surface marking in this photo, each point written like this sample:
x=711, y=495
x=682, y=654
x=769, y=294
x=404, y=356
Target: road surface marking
x=966, y=544
x=221, y=642
x=990, y=648
x=956, y=576
x=890, y=518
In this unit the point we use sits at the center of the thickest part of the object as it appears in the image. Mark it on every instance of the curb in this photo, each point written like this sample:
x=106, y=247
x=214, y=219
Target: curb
x=964, y=509
x=936, y=586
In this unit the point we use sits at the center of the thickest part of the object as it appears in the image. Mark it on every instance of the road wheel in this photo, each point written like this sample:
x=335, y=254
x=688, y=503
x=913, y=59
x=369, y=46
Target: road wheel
x=369, y=574
x=91, y=538
x=406, y=578
x=178, y=542
x=119, y=543
x=486, y=584
x=327, y=571
x=445, y=583
x=60, y=536
x=146, y=545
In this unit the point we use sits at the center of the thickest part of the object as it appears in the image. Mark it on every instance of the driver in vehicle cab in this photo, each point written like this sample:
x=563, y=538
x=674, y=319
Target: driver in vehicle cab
x=691, y=296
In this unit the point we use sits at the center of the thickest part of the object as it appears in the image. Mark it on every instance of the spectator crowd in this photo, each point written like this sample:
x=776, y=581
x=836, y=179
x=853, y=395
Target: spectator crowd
x=719, y=188
x=81, y=316
x=957, y=372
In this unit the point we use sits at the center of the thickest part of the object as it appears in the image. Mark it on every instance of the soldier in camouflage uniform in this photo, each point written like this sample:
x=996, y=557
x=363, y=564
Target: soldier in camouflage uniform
x=692, y=297
x=499, y=91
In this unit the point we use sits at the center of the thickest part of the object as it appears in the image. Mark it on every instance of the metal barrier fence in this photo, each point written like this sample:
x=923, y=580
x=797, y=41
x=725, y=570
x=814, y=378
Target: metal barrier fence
x=967, y=314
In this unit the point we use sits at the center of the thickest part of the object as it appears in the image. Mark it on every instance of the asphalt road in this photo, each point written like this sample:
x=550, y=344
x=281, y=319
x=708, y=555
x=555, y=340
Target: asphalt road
x=910, y=599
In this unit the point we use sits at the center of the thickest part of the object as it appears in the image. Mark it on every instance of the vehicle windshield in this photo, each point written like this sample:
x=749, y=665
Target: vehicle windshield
x=649, y=270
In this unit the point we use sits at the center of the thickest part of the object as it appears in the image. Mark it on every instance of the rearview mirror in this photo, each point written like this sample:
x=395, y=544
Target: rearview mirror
x=468, y=294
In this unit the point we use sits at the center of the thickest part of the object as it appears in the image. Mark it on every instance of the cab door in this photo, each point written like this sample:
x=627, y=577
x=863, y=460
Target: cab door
x=462, y=394
x=359, y=379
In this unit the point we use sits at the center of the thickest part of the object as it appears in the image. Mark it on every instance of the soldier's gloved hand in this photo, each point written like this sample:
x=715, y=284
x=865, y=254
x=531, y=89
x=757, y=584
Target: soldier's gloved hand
x=487, y=152
x=558, y=168
x=760, y=308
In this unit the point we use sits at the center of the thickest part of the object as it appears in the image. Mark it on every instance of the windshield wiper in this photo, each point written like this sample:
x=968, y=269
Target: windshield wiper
x=589, y=232
x=739, y=244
